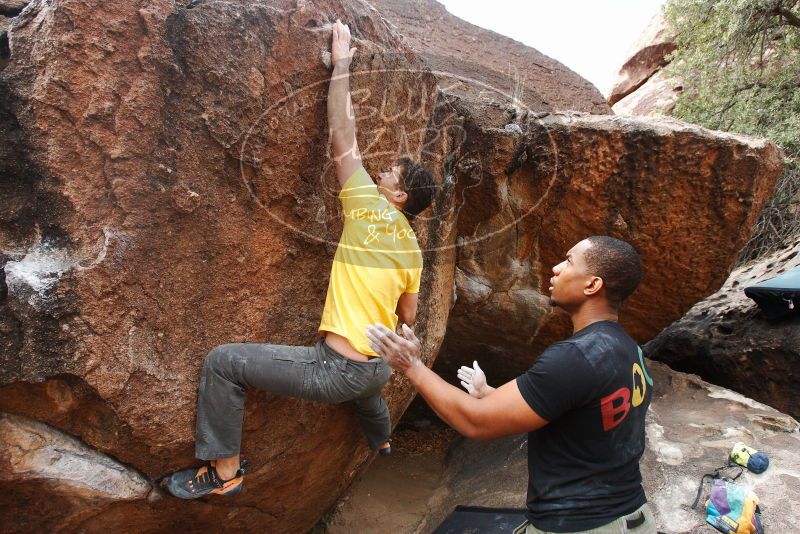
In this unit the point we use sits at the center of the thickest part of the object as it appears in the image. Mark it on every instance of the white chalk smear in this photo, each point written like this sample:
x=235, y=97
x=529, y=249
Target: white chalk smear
x=667, y=451
x=41, y=267
x=38, y=270
x=722, y=393
x=670, y=502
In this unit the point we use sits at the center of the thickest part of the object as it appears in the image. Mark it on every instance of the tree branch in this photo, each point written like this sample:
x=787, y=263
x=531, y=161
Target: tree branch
x=790, y=18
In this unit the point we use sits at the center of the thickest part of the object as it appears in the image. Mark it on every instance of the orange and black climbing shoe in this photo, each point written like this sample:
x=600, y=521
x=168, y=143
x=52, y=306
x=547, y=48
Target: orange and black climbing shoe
x=196, y=482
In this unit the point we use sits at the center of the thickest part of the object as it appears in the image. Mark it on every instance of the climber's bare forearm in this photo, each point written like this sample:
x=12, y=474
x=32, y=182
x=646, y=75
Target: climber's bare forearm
x=341, y=116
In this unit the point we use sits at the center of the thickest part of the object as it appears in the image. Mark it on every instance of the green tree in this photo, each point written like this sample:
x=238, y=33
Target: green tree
x=740, y=65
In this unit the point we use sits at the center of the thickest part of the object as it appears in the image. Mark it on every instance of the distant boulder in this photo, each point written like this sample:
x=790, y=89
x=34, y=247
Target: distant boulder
x=640, y=87
x=726, y=339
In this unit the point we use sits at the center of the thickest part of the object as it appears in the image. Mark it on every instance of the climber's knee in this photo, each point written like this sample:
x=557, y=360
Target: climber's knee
x=218, y=359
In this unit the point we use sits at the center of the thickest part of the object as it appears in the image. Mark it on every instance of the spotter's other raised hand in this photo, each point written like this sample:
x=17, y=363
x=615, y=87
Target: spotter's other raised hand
x=473, y=379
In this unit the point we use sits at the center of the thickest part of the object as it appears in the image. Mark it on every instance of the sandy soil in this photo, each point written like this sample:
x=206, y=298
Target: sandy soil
x=394, y=493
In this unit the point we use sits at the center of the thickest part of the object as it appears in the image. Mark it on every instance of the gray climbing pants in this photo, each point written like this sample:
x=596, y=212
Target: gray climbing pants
x=316, y=373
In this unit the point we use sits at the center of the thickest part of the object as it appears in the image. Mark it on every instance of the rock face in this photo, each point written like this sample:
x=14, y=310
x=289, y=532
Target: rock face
x=726, y=339
x=656, y=96
x=36, y=453
x=166, y=187
x=483, y=60
x=691, y=427
x=647, y=58
x=641, y=88
x=649, y=183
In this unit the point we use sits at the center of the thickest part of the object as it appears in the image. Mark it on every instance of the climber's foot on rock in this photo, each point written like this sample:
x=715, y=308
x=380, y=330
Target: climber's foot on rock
x=385, y=449
x=195, y=482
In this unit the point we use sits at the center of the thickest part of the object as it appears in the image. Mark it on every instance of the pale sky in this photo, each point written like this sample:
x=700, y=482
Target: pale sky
x=591, y=37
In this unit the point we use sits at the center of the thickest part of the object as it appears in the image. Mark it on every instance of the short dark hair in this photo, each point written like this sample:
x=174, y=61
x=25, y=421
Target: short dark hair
x=418, y=184
x=617, y=263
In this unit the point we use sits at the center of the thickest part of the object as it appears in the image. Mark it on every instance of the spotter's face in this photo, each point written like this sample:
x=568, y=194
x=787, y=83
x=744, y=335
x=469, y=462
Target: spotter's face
x=571, y=278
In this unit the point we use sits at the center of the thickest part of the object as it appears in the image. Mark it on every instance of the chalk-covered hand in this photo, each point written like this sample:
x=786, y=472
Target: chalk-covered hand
x=400, y=352
x=341, y=53
x=473, y=379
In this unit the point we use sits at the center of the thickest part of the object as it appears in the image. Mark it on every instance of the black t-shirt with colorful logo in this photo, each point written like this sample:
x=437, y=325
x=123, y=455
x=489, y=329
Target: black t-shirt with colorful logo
x=583, y=466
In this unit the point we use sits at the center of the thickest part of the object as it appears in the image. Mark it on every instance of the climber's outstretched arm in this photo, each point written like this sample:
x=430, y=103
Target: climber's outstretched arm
x=341, y=116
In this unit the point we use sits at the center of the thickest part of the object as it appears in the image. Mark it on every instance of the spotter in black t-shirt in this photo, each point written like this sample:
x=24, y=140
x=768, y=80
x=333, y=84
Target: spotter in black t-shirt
x=583, y=466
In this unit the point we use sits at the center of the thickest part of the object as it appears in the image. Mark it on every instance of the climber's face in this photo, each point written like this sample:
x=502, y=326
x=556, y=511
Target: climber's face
x=390, y=185
x=389, y=181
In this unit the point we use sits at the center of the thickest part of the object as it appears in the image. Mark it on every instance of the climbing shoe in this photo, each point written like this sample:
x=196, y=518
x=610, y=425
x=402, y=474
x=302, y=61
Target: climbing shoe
x=386, y=451
x=195, y=482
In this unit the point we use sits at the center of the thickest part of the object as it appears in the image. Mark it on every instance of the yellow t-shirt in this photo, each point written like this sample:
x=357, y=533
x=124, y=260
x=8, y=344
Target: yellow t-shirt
x=377, y=260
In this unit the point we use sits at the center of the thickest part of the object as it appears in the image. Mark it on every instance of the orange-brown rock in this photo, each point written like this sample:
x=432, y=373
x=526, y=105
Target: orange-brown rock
x=685, y=197
x=475, y=60
x=166, y=187
x=648, y=56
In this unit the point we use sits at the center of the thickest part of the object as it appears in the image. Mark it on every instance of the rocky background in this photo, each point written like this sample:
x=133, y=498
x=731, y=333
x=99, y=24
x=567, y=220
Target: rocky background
x=724, y=338
x=691, y=427
x=641, y=88
x=166, y=187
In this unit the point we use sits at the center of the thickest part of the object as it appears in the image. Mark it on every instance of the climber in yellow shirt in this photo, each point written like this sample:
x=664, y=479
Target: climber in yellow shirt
x=375, y=278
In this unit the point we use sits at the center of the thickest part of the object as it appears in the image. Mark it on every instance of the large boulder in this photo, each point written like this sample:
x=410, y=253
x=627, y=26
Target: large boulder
x=167, y=187
x=668, y=188
x=691, y=428
x=727, y=340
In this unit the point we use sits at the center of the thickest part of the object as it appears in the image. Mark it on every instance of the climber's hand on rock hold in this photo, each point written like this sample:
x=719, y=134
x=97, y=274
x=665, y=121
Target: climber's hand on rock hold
x=473, y=379
x=341, y=53
x=400, y=352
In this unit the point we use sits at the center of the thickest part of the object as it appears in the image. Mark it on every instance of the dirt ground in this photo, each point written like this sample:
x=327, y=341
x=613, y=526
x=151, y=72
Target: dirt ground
x=393, y=494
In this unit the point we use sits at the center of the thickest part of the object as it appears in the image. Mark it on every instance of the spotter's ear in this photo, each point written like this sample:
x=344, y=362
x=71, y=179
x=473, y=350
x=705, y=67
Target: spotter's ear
x=593, y=286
